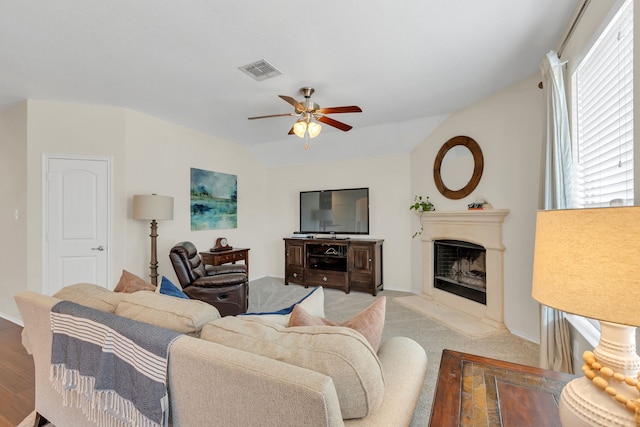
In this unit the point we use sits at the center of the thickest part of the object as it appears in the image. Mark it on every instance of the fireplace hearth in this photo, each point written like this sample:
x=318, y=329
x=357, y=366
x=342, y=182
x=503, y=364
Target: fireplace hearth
x=478, y=233
x=460, y=268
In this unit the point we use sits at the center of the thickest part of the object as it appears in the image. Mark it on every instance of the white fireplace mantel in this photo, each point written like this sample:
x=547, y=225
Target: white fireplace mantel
x=482, y=227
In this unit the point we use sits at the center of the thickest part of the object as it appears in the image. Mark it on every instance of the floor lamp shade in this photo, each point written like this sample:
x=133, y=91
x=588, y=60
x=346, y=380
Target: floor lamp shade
x=153, y=207
x=587, y=262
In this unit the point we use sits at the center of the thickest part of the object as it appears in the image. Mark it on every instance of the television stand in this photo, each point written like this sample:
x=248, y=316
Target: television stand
x=334, y=237
x=340, y=263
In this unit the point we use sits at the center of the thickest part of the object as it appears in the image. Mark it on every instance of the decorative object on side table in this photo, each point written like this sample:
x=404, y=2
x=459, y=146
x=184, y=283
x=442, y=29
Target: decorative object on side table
x=586, y=263
x=421, y=206
x=153, y=207
x=222, y=244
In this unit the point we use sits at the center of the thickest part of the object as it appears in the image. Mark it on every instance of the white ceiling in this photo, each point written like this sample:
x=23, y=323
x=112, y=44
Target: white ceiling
x=178, y=60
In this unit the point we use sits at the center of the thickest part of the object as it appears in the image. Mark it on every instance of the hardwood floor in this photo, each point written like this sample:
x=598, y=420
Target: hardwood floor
x=17, y=376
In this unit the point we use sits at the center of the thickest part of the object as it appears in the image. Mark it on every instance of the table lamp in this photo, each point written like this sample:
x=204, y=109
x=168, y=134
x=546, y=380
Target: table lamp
x=153, y=207
x=587, y=262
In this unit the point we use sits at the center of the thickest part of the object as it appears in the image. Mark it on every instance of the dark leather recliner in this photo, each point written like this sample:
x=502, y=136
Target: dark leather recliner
x=225, y=287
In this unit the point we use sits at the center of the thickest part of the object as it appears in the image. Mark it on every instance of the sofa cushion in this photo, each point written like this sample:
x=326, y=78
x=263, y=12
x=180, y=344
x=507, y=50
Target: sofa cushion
x=168, y=288
x=338, y=352
x=369, y=322
x=129, y=283
x=90, y=295
x=313, y=303
x=181, y=315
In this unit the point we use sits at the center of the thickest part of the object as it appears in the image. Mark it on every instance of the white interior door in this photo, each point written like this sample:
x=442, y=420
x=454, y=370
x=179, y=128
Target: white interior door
x=77, y=218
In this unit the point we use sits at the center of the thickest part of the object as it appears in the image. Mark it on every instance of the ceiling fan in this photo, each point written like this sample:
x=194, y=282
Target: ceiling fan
x=308, y=112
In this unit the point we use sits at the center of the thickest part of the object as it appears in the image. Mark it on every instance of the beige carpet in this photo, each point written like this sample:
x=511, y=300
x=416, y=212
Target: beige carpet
x=268, y=294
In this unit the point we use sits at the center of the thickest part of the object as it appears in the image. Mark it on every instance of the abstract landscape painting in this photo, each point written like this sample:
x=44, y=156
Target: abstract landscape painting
x=214, y=200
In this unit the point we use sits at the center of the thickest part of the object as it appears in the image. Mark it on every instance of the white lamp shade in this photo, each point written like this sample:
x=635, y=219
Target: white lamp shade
x=587, y=262
x=314, y=129
x=299, y=128
x=152, y=206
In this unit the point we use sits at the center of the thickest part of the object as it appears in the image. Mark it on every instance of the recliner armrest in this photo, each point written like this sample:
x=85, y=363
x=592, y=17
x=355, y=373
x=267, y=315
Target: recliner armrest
x=225, y=269
x=219, y=280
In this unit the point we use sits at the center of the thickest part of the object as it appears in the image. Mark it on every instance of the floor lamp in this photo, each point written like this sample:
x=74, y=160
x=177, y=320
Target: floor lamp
x=587, y=262
x=153, y=207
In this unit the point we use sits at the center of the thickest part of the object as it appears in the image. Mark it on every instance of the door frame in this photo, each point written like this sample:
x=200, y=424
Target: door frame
x=45, y=210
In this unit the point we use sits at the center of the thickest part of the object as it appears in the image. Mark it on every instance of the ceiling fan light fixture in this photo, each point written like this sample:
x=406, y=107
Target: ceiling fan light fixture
x=300, y=128
x=310, y=113
x=314, y=129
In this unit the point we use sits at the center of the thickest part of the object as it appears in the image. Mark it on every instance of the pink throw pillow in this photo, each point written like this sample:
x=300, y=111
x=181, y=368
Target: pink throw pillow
x=369, y=322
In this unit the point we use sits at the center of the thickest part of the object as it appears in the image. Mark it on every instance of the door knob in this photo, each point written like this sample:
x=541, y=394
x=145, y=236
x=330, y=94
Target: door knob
x=99, y=248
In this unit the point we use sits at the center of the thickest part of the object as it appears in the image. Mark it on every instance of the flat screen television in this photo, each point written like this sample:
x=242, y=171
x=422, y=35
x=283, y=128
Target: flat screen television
x=335, y=211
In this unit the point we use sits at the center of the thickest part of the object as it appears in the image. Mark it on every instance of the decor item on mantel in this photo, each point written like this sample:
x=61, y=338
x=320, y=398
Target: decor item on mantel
x=421, y=206
x=153, y=207
x=480, y=203
x=586, y=263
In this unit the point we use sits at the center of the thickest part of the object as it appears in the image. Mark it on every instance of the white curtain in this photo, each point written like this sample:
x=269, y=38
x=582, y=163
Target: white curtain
x=555, y=343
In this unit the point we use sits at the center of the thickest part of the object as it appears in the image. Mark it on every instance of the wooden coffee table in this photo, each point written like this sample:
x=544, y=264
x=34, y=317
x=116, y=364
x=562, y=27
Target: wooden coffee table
x=479, y=391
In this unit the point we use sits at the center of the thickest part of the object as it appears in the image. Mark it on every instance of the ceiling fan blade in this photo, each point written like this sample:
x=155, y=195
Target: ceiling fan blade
x=335, y=110
x=291, y=132
x=271, y=115
x=293, y=102
x=331, y=122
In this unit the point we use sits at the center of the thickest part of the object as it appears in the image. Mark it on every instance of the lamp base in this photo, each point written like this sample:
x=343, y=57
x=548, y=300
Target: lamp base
x=582, y=404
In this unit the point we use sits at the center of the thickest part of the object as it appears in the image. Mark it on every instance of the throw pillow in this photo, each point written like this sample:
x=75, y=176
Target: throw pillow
x=129, y=283
x=168, y=288
x=338, y=352
x=369, y=322
x=313, y=303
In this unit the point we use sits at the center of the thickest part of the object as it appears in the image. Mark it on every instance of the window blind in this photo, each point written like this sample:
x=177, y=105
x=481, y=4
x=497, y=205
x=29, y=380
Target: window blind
x=603, y=116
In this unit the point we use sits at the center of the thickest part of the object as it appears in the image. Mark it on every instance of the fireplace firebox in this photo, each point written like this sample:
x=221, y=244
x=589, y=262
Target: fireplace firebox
x=460, y=269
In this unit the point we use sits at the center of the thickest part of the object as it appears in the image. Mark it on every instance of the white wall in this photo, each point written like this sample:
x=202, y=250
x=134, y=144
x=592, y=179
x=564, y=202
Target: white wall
x=13, y=193
x=70, y=129
x=508, y=127
x=158, y=159
x=389, y=196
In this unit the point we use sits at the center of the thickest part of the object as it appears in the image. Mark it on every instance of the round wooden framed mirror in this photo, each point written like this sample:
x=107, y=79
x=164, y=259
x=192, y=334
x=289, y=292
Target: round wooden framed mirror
x=460, y=163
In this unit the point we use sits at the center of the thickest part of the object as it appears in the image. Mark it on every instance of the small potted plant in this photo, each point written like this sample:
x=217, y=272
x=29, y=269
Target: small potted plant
x=421, y=205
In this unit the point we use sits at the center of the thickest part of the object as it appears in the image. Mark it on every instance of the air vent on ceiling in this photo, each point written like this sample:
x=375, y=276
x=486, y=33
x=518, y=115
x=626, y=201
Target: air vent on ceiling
x=261, y=70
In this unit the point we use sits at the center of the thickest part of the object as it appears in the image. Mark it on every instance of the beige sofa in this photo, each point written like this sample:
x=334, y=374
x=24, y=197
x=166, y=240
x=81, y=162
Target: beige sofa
x=211, y=383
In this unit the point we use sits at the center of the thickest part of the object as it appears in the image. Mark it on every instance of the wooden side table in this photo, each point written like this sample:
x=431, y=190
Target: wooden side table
x=479, y=391
x=225, y=257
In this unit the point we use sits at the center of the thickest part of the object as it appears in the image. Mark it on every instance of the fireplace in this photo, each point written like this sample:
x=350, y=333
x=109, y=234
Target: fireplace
x=460, y=268
x=480, y=262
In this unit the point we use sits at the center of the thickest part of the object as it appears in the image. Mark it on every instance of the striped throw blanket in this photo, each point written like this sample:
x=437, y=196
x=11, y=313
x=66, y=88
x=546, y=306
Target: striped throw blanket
x=113, y=369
